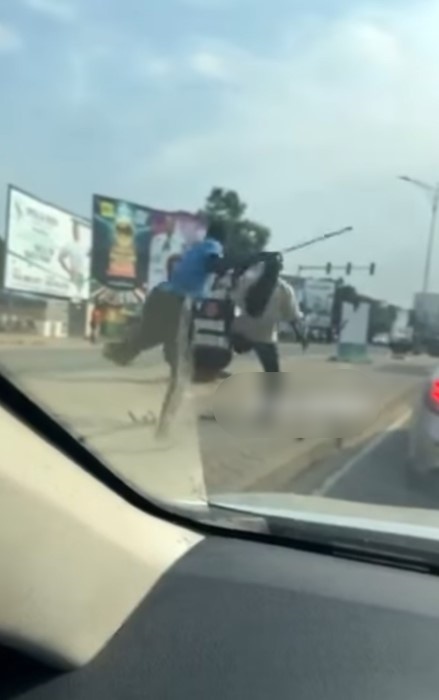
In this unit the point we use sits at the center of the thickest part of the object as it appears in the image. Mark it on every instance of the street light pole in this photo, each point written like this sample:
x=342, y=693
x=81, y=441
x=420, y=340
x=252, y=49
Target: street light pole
x=317, y=239
x=432, y=230
x=433, y=192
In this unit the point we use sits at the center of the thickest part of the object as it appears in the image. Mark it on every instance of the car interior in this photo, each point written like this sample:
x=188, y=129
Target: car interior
x=106, y=595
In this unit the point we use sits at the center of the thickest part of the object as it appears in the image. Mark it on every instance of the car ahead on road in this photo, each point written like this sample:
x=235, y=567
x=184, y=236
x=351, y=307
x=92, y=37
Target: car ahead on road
x=381, y=340
x=401, y=342
x=423, y=454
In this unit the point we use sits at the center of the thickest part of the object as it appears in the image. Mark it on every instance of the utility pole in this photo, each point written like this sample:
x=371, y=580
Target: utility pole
x=433, y=192
x=317, y=239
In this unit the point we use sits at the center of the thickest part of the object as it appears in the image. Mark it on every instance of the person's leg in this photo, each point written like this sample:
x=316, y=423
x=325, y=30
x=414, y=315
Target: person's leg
x=165, y=321
x=149, y=332
x=178, y=353
x=268, y=356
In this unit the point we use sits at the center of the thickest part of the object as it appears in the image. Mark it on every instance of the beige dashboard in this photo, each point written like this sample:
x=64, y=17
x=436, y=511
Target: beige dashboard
x=75, y=558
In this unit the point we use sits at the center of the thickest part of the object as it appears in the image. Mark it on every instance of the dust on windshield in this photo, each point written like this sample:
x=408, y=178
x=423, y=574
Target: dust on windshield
x=219, y=265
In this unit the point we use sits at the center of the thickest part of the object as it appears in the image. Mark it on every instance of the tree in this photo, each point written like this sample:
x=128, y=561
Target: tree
x=244, y=236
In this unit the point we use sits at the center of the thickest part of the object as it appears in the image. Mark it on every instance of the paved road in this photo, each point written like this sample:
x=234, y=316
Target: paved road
x=376, y=474
x=39, y=360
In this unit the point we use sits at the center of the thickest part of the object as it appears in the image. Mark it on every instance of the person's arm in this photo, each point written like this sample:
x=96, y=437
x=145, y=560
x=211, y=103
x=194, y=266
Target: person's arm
x=290, y=308
x=216, y=264
x=63, y=258
x=220, y=264
x=292, y=314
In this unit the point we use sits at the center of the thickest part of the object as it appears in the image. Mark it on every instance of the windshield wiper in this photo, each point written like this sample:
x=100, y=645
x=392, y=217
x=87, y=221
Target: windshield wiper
x=348, y=542
x=373, y=546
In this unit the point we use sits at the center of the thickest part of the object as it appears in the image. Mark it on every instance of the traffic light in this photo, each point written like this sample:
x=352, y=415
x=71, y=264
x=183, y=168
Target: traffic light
x=328, y=268
x=348, y=268
x=372, y=268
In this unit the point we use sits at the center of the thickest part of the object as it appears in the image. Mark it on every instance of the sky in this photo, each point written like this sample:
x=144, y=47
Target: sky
x=310, y=110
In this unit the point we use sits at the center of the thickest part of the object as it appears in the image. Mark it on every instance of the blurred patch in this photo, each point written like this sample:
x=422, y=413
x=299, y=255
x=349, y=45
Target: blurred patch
x=284, y=406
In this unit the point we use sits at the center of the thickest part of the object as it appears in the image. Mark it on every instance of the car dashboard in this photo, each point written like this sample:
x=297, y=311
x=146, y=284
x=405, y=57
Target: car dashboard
x=244, y=619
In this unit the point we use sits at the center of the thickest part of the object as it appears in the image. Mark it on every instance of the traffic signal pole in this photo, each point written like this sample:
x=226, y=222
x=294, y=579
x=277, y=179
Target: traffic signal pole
x=348, y=268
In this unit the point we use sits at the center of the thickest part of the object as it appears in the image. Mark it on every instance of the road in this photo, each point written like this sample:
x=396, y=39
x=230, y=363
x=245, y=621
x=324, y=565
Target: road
x=37, y=360
x=375, y=474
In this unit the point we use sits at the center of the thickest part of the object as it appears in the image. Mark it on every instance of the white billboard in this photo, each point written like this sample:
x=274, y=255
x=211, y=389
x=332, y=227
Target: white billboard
x=318, y=302
x=47, y=249
x=172, y=234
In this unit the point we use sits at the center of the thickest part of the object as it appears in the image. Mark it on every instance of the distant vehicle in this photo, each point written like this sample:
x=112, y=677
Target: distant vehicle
x=426, y=324
x=401, y=341
x=423, y=459
x=381, y=339
x=401, y=334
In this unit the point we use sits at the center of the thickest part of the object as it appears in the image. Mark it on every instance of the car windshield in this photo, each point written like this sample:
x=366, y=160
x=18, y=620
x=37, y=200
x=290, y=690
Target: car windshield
x=219, y=266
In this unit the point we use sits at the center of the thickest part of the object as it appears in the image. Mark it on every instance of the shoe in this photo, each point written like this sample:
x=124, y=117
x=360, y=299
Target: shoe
x=115, y=353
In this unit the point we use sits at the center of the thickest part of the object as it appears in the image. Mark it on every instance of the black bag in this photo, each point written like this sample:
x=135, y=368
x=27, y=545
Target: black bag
x=240, y=344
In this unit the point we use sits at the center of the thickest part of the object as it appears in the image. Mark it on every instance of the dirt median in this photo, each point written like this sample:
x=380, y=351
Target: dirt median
x=97, y=406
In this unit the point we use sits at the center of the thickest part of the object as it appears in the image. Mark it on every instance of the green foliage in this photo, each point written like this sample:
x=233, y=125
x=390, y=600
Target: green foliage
x=244, y=236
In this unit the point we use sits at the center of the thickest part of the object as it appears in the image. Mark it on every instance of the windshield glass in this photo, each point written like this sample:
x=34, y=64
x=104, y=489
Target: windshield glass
x=219, y=266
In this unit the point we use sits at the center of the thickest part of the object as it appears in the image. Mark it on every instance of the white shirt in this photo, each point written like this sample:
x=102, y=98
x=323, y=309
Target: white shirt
x=282, y=306
x=75, y=256
x=160, y=255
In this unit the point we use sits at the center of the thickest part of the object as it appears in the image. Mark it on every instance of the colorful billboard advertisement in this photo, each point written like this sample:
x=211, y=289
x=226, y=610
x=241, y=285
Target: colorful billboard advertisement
x=134, y=246
x=47, y=249
x=121, y=233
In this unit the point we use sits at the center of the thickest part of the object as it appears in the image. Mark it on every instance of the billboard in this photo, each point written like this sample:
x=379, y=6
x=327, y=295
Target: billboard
x=121, y=233
x=317, y=298
x=47, y=249
x=171, y=235
x=134, y=246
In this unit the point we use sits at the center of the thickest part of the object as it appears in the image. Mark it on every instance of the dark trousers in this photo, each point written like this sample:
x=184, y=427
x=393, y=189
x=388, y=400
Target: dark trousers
x=157, y=327
x=165, y=321
x=268, y=356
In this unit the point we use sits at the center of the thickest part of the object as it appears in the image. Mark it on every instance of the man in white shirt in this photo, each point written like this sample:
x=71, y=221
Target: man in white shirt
x=264, y=300
x=72, y=259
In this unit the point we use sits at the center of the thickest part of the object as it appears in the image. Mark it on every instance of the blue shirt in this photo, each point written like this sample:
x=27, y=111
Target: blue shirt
x=189, y=276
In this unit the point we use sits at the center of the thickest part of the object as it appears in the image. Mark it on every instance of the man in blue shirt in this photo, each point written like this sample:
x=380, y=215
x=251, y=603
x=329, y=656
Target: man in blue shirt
x=163, y=307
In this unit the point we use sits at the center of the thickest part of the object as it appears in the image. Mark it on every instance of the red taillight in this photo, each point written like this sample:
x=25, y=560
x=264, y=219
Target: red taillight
x=433, y=395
